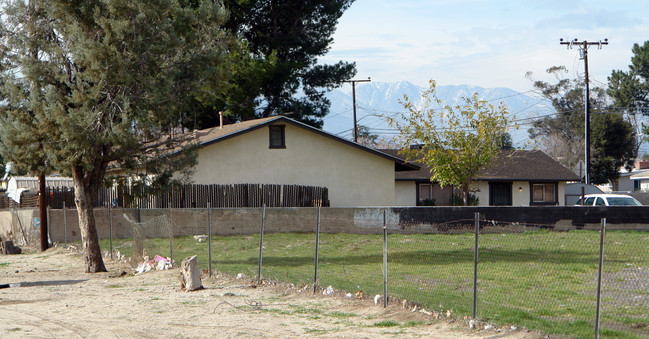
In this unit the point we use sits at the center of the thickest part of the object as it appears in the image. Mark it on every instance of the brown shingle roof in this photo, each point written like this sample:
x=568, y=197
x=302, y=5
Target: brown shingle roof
x=519, y=165
x=527, y=166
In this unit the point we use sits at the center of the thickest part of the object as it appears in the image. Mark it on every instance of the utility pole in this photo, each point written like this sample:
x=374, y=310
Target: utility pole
x=583, y=49
x=353, y=82
x=42, y=212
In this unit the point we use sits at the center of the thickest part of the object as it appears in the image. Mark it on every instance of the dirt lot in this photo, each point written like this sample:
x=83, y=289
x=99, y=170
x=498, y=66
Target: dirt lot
x=58, y=300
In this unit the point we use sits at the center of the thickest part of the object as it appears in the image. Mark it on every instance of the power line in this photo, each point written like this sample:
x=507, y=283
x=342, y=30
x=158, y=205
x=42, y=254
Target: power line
x=353, y=82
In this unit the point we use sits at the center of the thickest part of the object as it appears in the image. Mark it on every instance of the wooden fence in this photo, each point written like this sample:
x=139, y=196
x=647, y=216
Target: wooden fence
x=198, y=196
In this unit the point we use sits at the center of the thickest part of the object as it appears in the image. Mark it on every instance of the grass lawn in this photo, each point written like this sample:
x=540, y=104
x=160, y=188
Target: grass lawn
x=542, y=280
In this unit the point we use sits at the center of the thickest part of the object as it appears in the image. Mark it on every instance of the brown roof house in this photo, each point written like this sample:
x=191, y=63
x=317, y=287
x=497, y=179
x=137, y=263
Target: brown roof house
x=279, y=150
x=516, y=178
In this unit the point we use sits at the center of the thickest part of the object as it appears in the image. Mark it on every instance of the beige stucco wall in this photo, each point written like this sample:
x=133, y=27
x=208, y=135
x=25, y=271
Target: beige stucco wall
x=353, y=176
x=405, y=193
x=520, y=193
x=562, y=194
x=482, y=193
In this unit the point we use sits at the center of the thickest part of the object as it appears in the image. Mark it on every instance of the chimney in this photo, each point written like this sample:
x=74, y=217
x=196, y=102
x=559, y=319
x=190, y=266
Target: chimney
x=220, y=119
x=642, y=164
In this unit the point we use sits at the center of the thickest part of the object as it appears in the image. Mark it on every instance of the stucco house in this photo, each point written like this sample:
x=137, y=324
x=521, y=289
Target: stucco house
x=636, y=180
x=516, y=178
x=279, y=150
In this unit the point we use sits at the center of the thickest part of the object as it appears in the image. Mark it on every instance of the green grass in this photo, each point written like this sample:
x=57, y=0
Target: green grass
x=541, y=280
x=386, y=323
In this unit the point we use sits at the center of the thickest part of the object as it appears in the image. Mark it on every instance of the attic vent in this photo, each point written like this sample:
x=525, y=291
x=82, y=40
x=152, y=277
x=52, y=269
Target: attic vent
x=277, y=137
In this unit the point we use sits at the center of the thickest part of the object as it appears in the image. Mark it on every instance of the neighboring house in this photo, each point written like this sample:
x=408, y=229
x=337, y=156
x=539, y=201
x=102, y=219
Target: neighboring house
x=413, y=188
x=636, y=180
x=279, y=150
x=517, y=178
x=17, y=185
x=640, y=181
x=524, y=178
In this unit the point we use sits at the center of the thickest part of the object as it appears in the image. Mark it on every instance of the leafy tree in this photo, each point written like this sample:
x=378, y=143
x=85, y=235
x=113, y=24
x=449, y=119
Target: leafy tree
x=613, y=147
x=90, y=83
x=366, y=137
x=281, y=75
x=457, y=143
x=562, y=134
x=506, y=142
x=630, y=90
x=612, y=138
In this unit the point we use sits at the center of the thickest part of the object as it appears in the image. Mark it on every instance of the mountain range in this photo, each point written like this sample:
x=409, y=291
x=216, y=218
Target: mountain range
x=374, y=99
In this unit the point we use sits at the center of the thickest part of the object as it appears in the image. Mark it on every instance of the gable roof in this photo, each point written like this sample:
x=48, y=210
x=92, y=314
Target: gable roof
x=516, y=165
x=214, y=135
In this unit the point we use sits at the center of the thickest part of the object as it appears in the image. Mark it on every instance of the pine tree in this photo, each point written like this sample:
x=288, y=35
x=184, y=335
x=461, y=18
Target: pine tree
x=91, y=83
x=281, y=74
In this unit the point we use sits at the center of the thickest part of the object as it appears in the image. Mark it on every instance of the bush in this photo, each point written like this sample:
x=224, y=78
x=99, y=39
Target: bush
x=458, y=201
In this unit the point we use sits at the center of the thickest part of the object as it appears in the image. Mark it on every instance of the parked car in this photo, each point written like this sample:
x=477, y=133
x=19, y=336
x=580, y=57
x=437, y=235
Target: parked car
x=608, y=200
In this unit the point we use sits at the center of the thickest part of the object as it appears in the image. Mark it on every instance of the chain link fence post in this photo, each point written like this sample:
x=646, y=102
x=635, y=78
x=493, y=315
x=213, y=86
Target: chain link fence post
x=209, y=240
x=317, y=250
x=261, y=242
x=599, y=274
x=475, y=264
x=50, y=241
x=171, y=236
x=65, y=228
x=385, y=260
x=110, y=228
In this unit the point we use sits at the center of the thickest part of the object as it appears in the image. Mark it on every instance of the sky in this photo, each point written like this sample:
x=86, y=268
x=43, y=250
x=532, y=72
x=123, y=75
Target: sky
x=486, y=43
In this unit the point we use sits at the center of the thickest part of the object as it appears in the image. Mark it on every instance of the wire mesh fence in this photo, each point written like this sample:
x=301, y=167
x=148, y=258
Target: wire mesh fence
x=542, y=277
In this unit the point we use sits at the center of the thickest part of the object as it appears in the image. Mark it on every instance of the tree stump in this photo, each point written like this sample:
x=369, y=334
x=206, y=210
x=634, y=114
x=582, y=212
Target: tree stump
x=7, y=247
x=190, y=275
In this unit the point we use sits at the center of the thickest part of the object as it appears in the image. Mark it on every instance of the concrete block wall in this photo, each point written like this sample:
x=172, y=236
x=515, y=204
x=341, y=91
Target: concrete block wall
x=157, y=223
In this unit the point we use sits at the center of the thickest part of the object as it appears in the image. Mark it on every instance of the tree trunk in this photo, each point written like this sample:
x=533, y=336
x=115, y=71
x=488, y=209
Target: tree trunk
x=89, y=238
x=465, y=195
x=615, y=185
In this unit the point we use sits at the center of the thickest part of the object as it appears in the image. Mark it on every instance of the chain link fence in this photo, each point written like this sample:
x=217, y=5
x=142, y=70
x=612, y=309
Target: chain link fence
x=542, y=277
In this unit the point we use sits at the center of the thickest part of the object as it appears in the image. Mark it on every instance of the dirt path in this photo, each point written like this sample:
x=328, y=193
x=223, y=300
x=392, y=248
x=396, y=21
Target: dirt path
x=58, y=300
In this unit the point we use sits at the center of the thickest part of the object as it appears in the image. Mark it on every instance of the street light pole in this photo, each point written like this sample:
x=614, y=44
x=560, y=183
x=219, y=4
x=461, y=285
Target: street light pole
x=353, y=82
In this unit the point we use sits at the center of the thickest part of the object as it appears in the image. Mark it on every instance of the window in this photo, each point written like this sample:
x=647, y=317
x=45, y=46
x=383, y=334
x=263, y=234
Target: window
x=544, y=194
x=425, y=192
x=276, y=136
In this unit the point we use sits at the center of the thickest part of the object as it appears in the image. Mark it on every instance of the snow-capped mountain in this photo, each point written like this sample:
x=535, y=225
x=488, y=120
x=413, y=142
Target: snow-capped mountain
x=380, y=98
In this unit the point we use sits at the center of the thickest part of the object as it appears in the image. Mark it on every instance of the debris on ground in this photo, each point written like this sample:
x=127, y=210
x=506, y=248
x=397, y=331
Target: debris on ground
x=117, y=274
x=158, y=263
x=190, y=275
x=377, y=298
x=8, y=247
x=200, y=237
x=328, y=291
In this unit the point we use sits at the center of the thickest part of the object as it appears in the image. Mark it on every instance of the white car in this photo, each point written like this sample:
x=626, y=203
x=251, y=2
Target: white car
x=608, y=200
